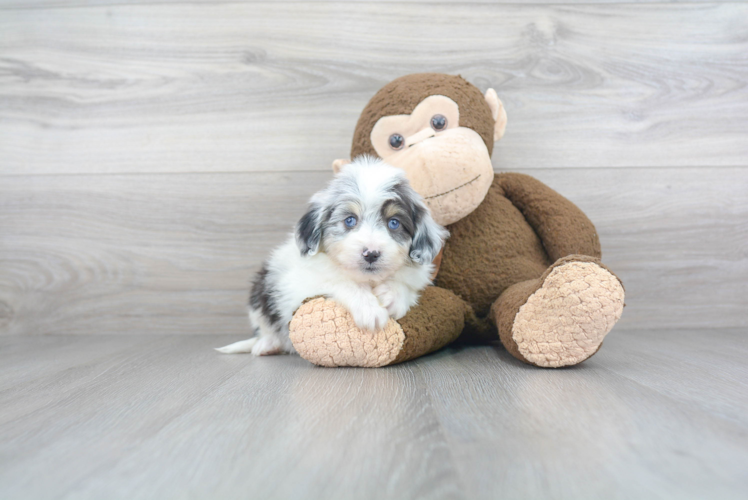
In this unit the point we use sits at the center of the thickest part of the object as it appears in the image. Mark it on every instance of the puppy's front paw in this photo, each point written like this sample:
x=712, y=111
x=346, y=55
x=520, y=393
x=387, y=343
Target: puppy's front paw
x=371, y=317
x=391, y=300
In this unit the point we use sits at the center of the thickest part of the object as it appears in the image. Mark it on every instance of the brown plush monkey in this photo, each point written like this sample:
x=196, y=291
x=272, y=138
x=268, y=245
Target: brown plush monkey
x=521, y=259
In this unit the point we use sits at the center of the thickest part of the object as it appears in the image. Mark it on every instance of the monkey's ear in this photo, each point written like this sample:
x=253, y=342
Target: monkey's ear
x=338, y=165
x=309, y=230
x=498, y=112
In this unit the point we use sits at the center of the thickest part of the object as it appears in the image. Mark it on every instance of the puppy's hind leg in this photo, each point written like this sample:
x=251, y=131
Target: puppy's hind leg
x=245, y=346
x=264, y=345
x=267, y=345
x=242, y=346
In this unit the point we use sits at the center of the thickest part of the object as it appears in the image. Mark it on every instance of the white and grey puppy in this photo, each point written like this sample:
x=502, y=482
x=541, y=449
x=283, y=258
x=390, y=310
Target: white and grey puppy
x=367, y=242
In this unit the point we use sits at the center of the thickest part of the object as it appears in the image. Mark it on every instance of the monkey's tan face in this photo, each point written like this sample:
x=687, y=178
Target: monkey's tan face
x=447, y=164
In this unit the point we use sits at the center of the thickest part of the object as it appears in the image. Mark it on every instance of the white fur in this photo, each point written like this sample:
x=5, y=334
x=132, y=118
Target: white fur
x=335, y=266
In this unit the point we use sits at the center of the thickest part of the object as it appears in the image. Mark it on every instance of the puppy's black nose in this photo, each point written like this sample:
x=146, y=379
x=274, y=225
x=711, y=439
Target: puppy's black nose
x=371, y=256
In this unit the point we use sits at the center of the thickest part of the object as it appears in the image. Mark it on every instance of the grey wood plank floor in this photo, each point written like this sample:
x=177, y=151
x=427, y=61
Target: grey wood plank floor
x=655, y=414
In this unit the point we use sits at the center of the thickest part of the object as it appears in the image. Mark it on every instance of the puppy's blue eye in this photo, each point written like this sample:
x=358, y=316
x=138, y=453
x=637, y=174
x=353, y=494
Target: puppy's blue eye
x=350, y=221
x=393, y=224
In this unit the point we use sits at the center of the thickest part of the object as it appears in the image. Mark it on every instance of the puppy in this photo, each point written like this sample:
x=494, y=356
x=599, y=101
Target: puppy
x=367, y=242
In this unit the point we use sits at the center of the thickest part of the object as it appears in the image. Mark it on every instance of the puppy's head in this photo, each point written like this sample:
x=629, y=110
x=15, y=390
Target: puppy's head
x=370, y=222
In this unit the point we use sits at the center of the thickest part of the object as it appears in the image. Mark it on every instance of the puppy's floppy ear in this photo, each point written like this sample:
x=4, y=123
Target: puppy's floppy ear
x=429, y=236
x=309, y=230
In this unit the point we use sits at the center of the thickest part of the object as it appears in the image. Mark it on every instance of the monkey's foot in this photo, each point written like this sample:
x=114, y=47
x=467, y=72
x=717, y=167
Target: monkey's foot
x=324, y=333
x=566, y=316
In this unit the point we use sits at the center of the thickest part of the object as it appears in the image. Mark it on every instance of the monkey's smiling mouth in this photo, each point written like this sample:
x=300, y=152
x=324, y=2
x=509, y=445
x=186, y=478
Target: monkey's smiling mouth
x=453, y=189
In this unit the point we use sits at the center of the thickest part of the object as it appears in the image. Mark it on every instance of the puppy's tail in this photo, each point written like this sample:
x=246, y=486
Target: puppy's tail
x=238, y=347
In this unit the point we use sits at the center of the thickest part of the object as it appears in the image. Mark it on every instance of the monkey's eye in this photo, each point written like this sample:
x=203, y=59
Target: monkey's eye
x=393, y=224
x=438, y=122
x=396, y=141
x=350, y=222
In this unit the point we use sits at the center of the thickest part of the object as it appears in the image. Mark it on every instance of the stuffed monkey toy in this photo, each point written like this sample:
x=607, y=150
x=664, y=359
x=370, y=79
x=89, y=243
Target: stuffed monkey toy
x=522, y=262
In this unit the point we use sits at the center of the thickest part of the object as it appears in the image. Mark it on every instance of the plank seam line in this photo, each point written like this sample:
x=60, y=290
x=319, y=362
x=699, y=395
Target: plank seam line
x=265, y=172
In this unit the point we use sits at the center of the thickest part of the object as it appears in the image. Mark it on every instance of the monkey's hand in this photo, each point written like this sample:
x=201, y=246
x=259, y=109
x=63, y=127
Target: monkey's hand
x=323, y=331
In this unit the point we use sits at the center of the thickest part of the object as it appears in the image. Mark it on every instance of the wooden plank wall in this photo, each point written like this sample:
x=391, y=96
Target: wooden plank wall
x=151, y=155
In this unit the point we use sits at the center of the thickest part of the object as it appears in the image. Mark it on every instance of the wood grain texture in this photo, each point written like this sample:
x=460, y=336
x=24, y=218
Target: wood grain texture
x=645, y=443
x=167, y=417
x=37, y=4
x=184, y=87
x=113, y=254
x=174, y=254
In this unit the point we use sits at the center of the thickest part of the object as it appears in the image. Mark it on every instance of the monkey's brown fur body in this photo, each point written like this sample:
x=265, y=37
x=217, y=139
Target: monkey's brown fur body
x=523, y=260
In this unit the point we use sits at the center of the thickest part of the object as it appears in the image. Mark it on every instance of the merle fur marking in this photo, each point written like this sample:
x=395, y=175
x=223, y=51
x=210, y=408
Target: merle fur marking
x=401, y=212
x=261, y=296
x=424, y=247
x=309, y=230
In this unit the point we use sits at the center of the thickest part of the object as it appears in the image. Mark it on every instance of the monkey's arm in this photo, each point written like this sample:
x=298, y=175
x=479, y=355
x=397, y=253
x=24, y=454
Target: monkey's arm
x=562, y=226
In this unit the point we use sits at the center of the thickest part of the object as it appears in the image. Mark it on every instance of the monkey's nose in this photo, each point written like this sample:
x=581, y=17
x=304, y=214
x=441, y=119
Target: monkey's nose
x=371, y=256
x=421, y=136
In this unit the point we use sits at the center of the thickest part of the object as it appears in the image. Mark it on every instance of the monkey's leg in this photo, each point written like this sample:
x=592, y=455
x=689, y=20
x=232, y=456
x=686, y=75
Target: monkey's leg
x=324, y=333
x=561, y=318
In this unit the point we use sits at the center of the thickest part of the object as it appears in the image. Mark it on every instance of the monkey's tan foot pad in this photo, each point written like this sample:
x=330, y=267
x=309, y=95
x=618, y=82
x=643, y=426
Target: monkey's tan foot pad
x=565, y=320
x=324, y=333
